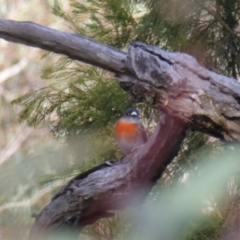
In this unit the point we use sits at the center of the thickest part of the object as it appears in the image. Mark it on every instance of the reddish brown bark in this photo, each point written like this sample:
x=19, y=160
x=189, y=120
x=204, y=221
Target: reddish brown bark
x=93, y=194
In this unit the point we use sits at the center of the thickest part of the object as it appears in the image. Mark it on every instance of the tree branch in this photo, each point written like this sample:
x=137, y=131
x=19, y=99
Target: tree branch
x=72, y=45
x=178, y=85
x=181, y=87
x=93, y=194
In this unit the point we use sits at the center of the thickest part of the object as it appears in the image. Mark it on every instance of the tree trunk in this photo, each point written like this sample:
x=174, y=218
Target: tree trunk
x=187, y=93
x=111, y=186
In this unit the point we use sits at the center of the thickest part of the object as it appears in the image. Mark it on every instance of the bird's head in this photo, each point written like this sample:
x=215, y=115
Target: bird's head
x=131, y=112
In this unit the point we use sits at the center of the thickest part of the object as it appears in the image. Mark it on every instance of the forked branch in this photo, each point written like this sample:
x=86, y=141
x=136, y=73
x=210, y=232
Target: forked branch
x=112, y=186
x=178, y=85
x=185, y=91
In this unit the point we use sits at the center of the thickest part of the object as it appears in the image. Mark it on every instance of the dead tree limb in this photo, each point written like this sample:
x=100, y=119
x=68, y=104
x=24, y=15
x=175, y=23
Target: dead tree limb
x=74, y=46
x=182, y=88
x=93, y=194
x=178, y=85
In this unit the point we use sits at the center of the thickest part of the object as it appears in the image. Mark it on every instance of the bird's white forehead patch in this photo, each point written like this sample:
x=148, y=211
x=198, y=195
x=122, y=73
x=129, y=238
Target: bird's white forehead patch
x=134, y=113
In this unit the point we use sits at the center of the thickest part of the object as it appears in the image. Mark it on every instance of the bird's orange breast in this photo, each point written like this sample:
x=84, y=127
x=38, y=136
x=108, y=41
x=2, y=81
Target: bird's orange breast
x=125, y=129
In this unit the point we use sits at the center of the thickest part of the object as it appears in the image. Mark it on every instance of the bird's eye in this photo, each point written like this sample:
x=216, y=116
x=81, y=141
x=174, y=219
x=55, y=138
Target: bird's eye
x=134, y=114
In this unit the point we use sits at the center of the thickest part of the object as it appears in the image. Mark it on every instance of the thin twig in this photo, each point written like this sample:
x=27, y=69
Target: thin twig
x=15, y=143
x=218, y=18
x=13, y=70
x=34, y=199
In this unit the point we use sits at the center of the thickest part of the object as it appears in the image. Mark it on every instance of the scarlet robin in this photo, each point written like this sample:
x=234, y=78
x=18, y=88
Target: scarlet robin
x=129, y=131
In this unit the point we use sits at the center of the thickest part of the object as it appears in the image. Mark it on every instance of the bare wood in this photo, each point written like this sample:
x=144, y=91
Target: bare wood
x=13, y=70
x=210, y=102
x=72, y=45
x=179, y=87
x=93, y=194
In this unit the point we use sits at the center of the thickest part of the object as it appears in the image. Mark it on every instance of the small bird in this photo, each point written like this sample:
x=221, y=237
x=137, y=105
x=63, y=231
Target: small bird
x=129, y=131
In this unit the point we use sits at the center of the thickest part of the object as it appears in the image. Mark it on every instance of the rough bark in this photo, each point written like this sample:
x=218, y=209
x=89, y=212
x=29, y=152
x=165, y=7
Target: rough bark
x=182, y=88
x=177, y=84
x=175, y=81
x=112, y=186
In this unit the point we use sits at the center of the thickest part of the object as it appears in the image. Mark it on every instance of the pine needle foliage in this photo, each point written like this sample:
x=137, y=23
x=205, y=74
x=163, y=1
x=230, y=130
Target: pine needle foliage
x=87, y=101
x=208, y=30
x=82, y=102
x=83, y=97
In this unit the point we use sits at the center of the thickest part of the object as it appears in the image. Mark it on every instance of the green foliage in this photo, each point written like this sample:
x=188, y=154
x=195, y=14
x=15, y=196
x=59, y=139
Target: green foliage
x=179, y=25
x=110, y=228
x=205, y=29
x=87, y=101
x=83, y=97
x=206, y=228
x=82, y=103
x=110, y=21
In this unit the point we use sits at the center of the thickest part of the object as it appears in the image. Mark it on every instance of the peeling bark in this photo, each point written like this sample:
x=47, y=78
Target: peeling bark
x=92, y=194
x=178, y=85
x=182, y=88
x=186, y=92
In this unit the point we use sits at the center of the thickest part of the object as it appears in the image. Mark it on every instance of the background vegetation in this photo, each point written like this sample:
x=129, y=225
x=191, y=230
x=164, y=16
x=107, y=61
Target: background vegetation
x=71, y=109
